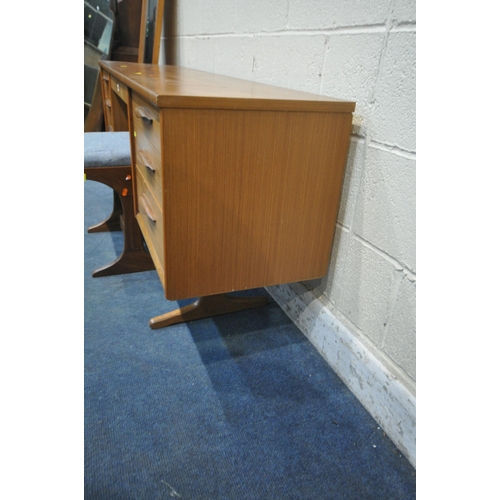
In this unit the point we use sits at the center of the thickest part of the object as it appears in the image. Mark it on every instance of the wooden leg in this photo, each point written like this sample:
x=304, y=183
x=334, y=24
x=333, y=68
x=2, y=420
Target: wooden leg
x=130, y=261
x=134, y=257
x=206, y=307
x=112, y=223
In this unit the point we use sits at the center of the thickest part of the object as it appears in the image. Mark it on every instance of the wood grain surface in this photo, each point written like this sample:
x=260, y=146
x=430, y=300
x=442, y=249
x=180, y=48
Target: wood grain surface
x=251, y=198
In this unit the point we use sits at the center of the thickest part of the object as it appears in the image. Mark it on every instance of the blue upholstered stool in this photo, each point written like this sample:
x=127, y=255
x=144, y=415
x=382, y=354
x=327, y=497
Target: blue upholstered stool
x=106, y=149
x=107, y=160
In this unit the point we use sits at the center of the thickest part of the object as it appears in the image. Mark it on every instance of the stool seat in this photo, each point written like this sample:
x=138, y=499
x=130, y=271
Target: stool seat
x=106, y=149
x=107, y=160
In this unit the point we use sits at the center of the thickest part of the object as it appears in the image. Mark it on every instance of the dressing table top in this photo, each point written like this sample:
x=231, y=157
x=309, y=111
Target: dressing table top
x=177, y=87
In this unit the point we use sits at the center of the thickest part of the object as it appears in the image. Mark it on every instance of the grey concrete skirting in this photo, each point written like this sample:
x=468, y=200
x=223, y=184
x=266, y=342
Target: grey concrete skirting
x=385, y=398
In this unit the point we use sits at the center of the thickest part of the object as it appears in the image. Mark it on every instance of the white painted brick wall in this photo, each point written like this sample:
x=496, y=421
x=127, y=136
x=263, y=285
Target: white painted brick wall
x=235, y=56
x=291, y=61
x=256, y=16
x=362, y=51
x=385, y=205
x=324, y=14
x=351, y=66
x=365, y=285
x=400, y=340
x=352, y=179
x=394, y=116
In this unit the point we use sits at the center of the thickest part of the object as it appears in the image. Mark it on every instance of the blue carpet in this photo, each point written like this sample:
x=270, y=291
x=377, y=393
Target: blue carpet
x=239, y=406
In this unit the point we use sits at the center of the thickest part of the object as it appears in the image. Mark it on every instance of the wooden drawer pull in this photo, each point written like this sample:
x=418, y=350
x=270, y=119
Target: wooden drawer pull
x=146, y=207
x=108, y=103
x=105, y=77
x=144, y=159
x=143, y=113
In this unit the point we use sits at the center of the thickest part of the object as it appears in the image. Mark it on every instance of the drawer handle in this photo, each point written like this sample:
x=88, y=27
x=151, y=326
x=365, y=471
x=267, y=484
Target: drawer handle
x=146, y=207
x=143, y=114
x=108, y=103
x=105, y=77
x=144, y=159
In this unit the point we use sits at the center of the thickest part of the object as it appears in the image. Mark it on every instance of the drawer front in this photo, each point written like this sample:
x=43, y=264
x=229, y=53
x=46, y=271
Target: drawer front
x=120, y=89
x=148, y=163
x=146, y=120
x=106, y=100
x=150, y=218
x=105, y=84
x=108, y=119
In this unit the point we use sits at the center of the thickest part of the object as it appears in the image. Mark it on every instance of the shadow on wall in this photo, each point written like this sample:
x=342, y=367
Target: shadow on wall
x=361, y=282
x=325, y=285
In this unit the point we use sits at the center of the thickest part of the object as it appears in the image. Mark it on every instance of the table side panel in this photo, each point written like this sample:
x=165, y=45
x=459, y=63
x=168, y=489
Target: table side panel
x=251, y=197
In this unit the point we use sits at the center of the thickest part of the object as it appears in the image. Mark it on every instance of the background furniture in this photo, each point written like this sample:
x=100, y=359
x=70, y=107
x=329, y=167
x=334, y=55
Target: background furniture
x=99, y=29
x=236, y=184
x=129, y=30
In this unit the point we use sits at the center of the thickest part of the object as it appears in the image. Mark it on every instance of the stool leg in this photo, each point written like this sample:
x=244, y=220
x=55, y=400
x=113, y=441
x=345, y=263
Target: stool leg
x=112, y=223
x=134, y=257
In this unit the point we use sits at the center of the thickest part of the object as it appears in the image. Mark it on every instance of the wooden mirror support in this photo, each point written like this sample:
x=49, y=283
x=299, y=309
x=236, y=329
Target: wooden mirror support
x=151, y=30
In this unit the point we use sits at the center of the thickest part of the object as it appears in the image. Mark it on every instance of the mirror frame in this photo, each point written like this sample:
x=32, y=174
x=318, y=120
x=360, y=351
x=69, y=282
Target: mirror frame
x=160, y=9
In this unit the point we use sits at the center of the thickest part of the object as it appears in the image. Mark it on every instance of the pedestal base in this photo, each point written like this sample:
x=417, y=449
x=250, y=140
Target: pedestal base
x=206, y=307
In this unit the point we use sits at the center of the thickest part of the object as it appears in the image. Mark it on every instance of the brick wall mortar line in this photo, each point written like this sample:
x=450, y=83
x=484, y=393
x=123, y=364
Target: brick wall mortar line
x=325, y=52
x=393, y=297
x=399, y=266
x=343, y=30
x=390, y=148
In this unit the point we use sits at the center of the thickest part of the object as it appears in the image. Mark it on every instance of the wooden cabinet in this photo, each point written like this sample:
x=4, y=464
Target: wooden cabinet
x=236, y=184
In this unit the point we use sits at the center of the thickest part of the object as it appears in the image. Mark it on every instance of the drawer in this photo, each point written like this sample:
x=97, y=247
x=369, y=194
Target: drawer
x=120, y=89
x=150, y=218
x=105, y=84
x=106, y=101
x=146, y=120
x=148, y=163
x=108, y=115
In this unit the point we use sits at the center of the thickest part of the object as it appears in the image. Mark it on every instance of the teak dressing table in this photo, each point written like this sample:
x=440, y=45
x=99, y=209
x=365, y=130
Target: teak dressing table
x=236, y=185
